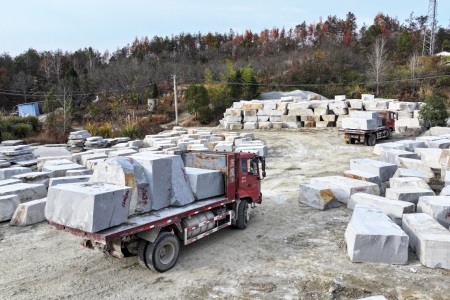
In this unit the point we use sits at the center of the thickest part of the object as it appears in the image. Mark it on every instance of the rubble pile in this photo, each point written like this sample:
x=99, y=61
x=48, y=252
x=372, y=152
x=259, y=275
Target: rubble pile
x=402, y=197
x=295, y=112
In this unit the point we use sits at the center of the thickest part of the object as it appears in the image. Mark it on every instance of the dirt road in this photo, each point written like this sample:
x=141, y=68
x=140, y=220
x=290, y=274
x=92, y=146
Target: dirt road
x=289, y=250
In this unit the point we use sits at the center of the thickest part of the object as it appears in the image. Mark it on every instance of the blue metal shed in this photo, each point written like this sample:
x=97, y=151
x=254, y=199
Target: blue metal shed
x=28, y=109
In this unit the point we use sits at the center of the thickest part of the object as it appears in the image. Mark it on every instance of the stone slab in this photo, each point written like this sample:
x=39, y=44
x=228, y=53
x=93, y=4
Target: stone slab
x=372, y=237
x=8, y=205
x=408, y=194
x=428, y=239
x=437, y=207
x=410, y=145
x=205, y=183
x=381, y=169
x=42, y=160
x=403, y=172
x=441, y=144
x=379, y=146
x=430, y=156
x=68, y=179
x=344, y=187
x=392, y=155
x=124, y=152
x=79, y=172
x=9, y=181
x=29, y=213
x=392, y=208
x=408, y=182
x=7, y=173
x=90, y=207
x=317, y=196
x=415, y=164
x=60, y=170
x=25, y=191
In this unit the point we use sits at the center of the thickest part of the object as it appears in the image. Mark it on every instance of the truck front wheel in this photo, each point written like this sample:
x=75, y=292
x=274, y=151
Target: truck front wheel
x=243, y=215
x=161, y=255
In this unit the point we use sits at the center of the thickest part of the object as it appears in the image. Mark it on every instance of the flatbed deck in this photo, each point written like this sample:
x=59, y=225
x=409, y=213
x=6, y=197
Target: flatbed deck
x=138, y=223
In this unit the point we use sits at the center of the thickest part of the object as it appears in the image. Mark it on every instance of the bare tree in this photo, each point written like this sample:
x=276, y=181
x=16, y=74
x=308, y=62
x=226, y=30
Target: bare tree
x=413, y=66
x=378, y=62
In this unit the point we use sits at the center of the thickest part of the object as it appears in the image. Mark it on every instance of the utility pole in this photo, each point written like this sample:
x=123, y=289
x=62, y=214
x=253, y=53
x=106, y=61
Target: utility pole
x=175, y=97
x=429, y=34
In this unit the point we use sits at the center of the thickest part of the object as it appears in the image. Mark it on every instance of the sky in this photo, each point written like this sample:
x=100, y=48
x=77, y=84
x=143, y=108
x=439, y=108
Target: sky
x=49, y=25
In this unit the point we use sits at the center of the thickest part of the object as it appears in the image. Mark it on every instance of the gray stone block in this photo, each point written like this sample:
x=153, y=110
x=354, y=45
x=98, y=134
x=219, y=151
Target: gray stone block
x=79, y=172
x=9, y=181
x=428, y=239
x=7, y=173
x=125, y=171
x=402, y=172
x=441, y=144
x=381, y=169
x=392, y=155
x=410, y=145
x=158, y=172
x=34, y=177
x=317, y=196
x=394, y=209
x=25, y=191
x=29, y=213
x=205, y=183
x=42, y=160
x=344, y=187
x=415, y=164
x=399, y=182
x=60, y=170
x=365, y=176
x=124, y=152
x=8, y=205
x=408, y=194
x=90, y=207
x=379, y=146
x=437, y=207
x=69, y=179
x=372, y=237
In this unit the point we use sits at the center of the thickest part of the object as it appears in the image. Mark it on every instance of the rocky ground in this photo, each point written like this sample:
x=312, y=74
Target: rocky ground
x=289, y=250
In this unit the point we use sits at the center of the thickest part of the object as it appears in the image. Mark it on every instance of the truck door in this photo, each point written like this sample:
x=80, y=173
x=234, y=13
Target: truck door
x=249, y=179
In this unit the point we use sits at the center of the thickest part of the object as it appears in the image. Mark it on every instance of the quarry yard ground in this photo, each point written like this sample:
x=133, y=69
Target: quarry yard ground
x=288, y=251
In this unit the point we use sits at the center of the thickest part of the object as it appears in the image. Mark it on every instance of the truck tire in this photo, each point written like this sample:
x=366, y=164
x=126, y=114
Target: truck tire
x=162, y=255
x=243, y=215
x=372, y=140
x=141, y=253
x=352, y=141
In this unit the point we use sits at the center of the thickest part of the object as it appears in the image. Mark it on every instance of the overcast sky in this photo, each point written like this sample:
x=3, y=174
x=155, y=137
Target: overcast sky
x=109, y=25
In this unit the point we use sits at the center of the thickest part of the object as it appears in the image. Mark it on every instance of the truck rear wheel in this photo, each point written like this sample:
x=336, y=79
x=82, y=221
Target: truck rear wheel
x=243, y=215
x=161, y=255
x=372, y=140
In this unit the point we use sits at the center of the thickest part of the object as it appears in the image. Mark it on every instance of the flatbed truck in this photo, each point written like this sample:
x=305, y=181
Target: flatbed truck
x=155, y=237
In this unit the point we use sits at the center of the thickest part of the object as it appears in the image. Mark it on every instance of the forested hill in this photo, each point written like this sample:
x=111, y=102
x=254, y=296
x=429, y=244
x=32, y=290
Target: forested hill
x=330, y=57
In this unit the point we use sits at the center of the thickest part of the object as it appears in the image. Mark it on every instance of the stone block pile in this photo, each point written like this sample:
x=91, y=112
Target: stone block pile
x=296, y=112
x=76, y=140
x=402, y=210
x=16, y=155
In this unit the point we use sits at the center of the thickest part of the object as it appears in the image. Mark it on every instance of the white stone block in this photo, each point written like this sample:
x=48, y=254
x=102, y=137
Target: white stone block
x=410, y=145
x=60, y=170
x=265, y=125
x=437, y=207
x=428, y=239
x=444, y=159
x=402, y=172
x=367, y=97
x=430, y=156
x=344, y=187
x=8, y=205
x=401, y=182
x=124, y=152
x=251, y=125
x=362, y=124
x=368, y=115
x=261, y=150
x=42, y=160
x=392, y=155
x=372, y=237
x=378, y=147
x=69, y=179
x=205, y=183
x=25, y=191
x=392, y=208
x=408, y=194
x=381, y=169
x=441, y=143
x=415, y=164
x=89, y=207
x=9, y=181
x=437, y=131
x=224, y=147
x=80, y=172
x=29, y=213
x=356, y=104
x=317, y=196
x=7, y=173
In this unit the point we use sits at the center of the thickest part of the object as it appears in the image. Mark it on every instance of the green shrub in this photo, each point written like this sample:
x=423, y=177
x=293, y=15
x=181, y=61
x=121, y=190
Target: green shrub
x=434, y=112
x=7, y=135
x=22, y=130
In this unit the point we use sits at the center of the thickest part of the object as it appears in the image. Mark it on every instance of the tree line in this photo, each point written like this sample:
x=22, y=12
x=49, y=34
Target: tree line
x=332, y=56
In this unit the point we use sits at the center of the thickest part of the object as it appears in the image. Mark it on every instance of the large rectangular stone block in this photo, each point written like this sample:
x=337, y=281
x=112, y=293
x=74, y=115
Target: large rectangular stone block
x=410, y=145
x=392, y=208
x=408, y=182
x=25, y=191
x=181, y=193
x=344, y=187
x=415, y=164
x=392, y=155
x=60, y=170
x=441, y=144
x=362, y=124
x=430, y=156
x=317, y=196
x=8, y=205
x=403, y=173
x=382, y=169
x=368, y=115
x=378, y=147
x=124, y=152
x=428, y=239
x=7, y=173
x=35, y=177
x=90, y=207
x=205, y=183
x=408, y=194
x=372, y=237
x=29, y=213
x=437, y=207
x=9, y=181
x=69, y=179
x=444, y=159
